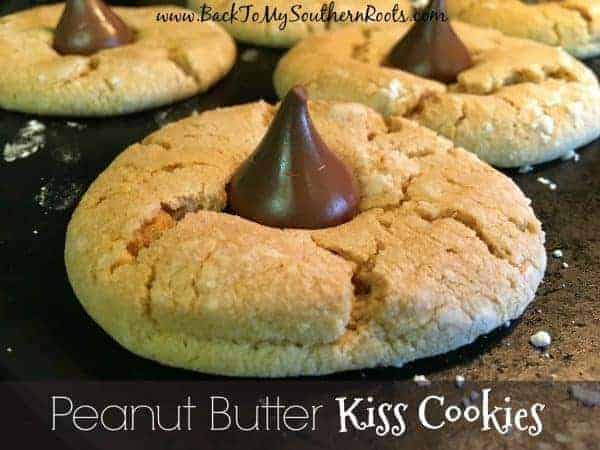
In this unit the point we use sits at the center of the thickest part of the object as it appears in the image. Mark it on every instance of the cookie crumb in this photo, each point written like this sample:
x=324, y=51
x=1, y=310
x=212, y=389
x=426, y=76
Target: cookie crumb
x=395, y=89
x=544, y=181
x=571, y=154
x=390, y=94
x=421, y=380
x=162, y=118
x=249, y=55
x=28, y=141
x=76, y=125
x=541, y=339
x=557, y=253
x=459, y=381
x=526, y=169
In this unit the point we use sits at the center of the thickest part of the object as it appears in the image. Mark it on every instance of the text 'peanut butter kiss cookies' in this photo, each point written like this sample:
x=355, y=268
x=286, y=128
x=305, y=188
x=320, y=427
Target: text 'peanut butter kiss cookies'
x=511, y=101
x=301, y=240
x=571, y=24
x=84, y=59
x=282, y=23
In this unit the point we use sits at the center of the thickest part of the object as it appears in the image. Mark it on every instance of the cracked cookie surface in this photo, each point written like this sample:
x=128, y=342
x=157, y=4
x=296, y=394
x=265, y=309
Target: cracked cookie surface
x=571, y=24
x=444, y=249
x=268, y=32
x=520, y=103
x=166, y=62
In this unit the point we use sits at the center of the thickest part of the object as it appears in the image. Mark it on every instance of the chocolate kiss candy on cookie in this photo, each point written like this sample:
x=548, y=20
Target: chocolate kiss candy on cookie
x=431, y=48
x=87, y=26
x=293, y=180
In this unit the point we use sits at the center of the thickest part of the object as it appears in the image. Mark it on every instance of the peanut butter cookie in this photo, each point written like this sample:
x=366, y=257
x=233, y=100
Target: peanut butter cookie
x=167, y=61
x=444, y=248
x=571, y=24
x=520, y=103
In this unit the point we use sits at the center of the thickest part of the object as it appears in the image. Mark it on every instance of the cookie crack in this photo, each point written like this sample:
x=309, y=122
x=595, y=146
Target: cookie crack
x=365, y=292
x=92, y=65
x=175, y=166
x=463, y=116
x=554, y=24
x=147, y=299
x=583, y=14
x=464, y=280
x=358, y=50
x=154, y=228
x=183, y=64
x=419, y=105
x=524, y=227
x=471, y=223
x=364, y=286
x=510, y=103
x=166, y=145
x=519, y=77
x=200, y=265
x=169, y=168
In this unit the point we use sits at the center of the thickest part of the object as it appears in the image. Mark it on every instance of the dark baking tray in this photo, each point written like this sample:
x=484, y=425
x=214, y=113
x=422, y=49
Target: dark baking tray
x=45, y=334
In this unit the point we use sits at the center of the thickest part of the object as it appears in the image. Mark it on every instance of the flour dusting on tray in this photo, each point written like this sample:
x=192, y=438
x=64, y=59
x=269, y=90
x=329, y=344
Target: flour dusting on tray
x=58, y=196
x=28, y=140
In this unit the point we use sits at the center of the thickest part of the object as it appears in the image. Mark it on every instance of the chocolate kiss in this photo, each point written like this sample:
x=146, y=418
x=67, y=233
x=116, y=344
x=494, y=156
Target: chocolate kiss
x=293, y=180
x=431, y=48
x=87, y=26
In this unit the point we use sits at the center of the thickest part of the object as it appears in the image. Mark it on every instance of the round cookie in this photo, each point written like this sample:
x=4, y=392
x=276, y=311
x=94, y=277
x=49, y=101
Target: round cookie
x=571, y=24
x=262, y=32
x=167, y=62
x=444, y=249
x=521, y=103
